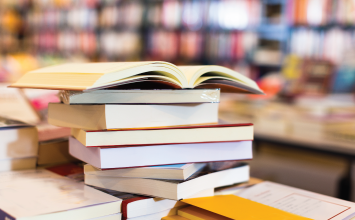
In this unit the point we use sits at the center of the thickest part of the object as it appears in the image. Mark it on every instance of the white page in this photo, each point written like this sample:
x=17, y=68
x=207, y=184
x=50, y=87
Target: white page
x=300, y=202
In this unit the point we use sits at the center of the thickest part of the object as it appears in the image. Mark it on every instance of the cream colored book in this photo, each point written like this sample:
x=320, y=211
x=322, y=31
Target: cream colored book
x=140, y=96
x=165, y=135
x=207, y=179
x=106, y=116
x=92, y=76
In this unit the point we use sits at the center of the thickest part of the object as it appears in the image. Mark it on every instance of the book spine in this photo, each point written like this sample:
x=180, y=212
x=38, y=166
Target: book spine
x=5, y=216
x=125, y=204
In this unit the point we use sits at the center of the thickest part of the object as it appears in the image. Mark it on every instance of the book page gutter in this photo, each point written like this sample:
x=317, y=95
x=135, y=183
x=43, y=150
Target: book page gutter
x=296, y=202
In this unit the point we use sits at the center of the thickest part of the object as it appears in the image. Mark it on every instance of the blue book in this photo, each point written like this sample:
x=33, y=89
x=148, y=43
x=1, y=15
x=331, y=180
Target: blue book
x=344, y=80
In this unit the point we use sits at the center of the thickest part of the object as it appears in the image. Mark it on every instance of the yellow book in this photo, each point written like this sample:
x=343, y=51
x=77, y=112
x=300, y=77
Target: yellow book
x=174, y=217
x=196, y=213
x=238, y=208
x=91, y=76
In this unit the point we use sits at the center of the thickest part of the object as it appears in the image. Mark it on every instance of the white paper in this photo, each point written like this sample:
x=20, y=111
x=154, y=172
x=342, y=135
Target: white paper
x=36, y=192
x=299, y=202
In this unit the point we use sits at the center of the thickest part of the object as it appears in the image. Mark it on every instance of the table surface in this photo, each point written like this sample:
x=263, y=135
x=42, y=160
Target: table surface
x=307, y=141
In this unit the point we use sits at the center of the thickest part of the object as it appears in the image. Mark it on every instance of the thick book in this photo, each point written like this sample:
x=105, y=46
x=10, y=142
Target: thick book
x=140, y=96
x=173, y=172
x=165, y=135
x=18, y=139
x=109, y=116
x=173, y=189
x=138, y=156
x=91, y=76
x=41, y=194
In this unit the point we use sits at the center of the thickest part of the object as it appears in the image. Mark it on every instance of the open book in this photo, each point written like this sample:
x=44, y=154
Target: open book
x=91, y=76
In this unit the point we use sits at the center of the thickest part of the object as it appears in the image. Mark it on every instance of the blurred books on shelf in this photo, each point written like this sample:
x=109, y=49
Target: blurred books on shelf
x=18, y=145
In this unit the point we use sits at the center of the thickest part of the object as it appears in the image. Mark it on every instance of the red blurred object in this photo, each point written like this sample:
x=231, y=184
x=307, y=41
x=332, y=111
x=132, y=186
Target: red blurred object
x=41, y=102
x=271, y=85
x=66, y=169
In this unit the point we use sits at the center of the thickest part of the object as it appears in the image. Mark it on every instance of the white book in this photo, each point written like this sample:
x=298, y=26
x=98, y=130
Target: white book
x=137, y=96
x=18, y=140
x=174, y=171
x=110, y=116
x=165, y=135
x=41, y=194
x=300, y=202
x=171, y=189
x=138, y=156
x=137, y=206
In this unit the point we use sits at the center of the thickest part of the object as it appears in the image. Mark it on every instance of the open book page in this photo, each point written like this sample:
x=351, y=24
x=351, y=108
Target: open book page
x=92, y=76
x=81, y=76
x=89, y=68
x=197, y=75
x=299, y=202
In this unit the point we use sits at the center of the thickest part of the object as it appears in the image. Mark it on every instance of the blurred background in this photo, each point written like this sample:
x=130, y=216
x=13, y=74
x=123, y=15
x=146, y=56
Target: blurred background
x=301, y=53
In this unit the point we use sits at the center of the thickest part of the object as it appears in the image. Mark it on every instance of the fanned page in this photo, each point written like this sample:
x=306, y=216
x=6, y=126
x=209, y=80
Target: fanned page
x=86, y=76
x=212, y=74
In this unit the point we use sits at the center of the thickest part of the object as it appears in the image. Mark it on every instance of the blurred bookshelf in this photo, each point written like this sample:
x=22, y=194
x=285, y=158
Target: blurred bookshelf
x=254, y=37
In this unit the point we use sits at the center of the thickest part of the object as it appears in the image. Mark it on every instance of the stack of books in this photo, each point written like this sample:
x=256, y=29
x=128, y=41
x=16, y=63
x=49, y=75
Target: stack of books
x=150, y=129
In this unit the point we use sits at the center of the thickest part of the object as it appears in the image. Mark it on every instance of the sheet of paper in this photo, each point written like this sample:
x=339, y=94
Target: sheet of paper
x=35, y=192
x=300, y=202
